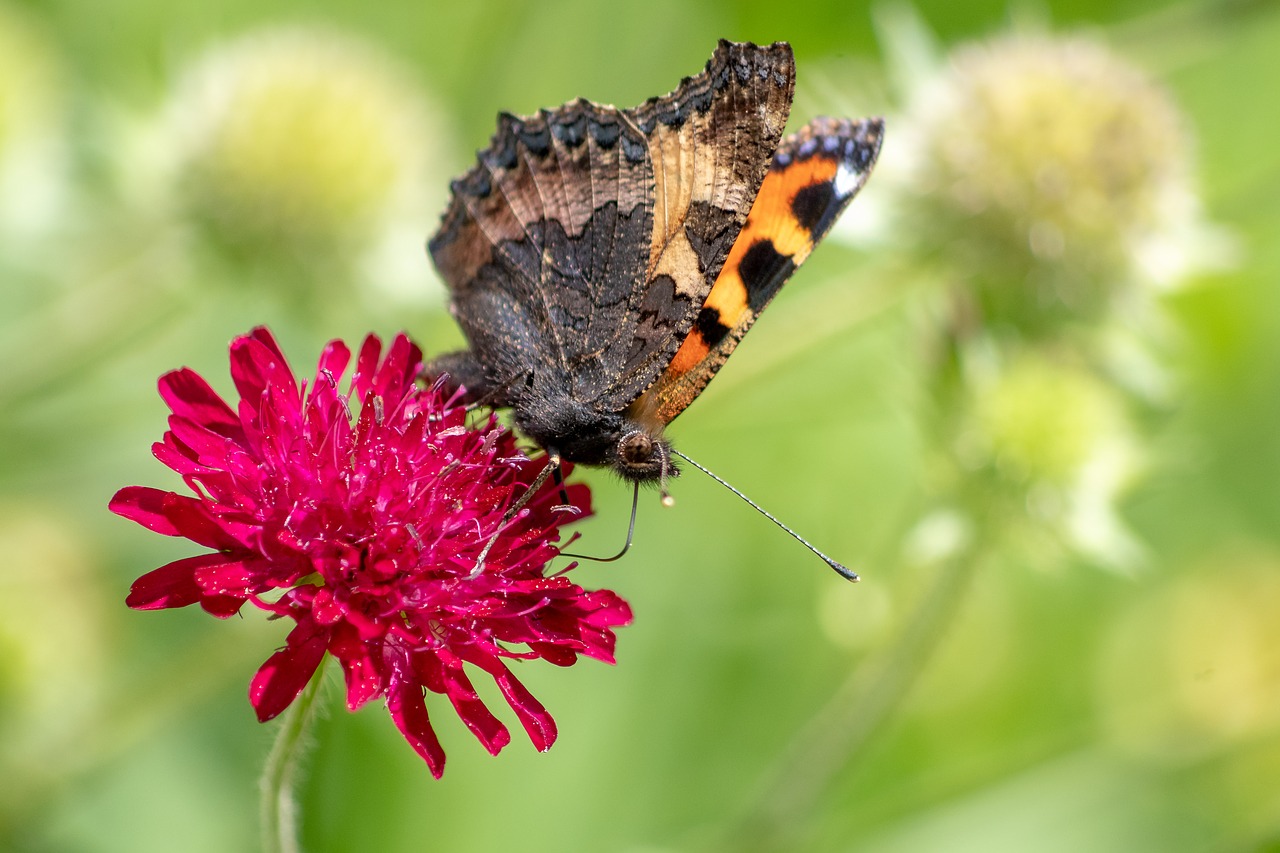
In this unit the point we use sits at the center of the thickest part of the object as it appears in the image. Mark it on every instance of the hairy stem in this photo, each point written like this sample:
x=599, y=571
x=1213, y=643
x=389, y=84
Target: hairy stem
x=278, y=805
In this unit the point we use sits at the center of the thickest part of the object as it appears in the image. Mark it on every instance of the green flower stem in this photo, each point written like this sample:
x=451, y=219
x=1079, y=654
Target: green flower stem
x=836, y=737
x=278, y=805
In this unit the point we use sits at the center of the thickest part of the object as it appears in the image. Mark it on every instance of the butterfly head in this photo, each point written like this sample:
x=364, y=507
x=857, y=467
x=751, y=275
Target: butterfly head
x=642, y=457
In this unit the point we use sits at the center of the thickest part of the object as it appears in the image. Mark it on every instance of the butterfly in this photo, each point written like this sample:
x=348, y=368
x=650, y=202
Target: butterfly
x=604, y=263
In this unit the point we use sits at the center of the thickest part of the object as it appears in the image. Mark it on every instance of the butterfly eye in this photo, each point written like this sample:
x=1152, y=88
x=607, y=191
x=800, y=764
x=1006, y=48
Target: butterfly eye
x=636, y=448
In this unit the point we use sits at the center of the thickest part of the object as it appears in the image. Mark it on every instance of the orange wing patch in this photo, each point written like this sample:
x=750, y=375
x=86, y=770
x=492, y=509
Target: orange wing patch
x=771, y=219
x=815, y=174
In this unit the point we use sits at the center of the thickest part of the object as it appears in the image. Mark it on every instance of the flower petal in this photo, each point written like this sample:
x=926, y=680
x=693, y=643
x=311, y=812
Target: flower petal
x=366, y=367
x=171, y=585
x=399, y=368
x=452, y=681
x=192, y=519
x=146, y=506
x=409, y=712
x=359, y=666
x=190, y=397
x=284, y=675
x=333, y=363
x=240, y=578
x=537, y=723
x=533, y=715
x=258, y=367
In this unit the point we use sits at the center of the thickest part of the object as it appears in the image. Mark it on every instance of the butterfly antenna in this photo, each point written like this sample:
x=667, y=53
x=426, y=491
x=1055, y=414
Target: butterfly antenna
x=626, y=546
x=839, y=568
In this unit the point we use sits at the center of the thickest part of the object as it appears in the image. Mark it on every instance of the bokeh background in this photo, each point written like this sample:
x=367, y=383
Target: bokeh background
x=1030, y=389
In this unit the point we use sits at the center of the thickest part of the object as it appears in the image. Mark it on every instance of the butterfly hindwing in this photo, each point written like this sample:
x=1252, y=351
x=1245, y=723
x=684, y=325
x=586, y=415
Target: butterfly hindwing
x=543, y=244
x=580, y=247
x=814, y=175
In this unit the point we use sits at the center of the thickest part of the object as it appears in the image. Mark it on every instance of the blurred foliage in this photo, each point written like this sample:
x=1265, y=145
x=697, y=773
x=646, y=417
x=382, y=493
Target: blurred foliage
x=1066, y=635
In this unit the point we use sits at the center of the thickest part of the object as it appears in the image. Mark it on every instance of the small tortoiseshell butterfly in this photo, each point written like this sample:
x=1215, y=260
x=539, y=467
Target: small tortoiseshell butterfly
x=604, y=263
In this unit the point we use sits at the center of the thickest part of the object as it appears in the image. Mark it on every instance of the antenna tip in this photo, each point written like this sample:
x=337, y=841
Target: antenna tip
x=667, y=500
x=844, y=572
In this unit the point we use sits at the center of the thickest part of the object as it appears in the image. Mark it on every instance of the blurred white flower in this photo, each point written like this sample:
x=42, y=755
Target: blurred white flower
x=1040, y=421
x=1044, y=187
x=1054, y=436
x=1046, y=174
x=308, y=144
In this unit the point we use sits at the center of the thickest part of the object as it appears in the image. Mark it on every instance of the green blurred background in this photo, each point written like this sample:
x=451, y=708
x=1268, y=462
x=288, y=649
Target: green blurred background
x=994, y=698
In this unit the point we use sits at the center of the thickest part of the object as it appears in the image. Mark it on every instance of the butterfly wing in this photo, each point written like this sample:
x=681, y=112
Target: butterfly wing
x=579, y=248
x=710, y=142
x=814, y=175
x=540, y=245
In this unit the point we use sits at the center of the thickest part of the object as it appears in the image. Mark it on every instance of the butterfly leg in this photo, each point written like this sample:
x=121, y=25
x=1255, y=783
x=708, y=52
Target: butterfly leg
x=552, y=467
x=558, y=476
x=463, y=369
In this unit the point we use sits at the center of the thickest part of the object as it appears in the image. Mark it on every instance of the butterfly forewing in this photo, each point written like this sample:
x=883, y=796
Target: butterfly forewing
x=815, y=174
x=710, y=142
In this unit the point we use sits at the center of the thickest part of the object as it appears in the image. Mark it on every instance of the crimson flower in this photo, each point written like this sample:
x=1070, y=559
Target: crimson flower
x=360, y=516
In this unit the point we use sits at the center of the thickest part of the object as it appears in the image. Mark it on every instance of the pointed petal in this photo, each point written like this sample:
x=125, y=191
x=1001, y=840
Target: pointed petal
x=453, y=682
x=535, y=718
x=189, y=396
x=171, y=585
x=146, y=506
x=279, y=681
x=533, y=715
x=366, y=367
x=193, y=520
x=258, y=366
x=409, y=712
x=333, y=363
x=359, y=667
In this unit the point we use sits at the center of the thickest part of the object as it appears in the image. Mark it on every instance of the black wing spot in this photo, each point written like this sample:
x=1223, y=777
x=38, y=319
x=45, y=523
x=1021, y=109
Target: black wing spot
x=604, y=133
x=502, y=153
x=710, y=327
x=812, y=204
x=571, y=132
x=537, y=139
x=633, y=149
x=672, y=115
x=701, y=100
x=477, y=184
x=763, y=271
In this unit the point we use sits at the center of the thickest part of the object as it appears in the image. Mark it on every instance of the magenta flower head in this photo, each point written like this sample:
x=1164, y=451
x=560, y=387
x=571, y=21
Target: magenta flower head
x=360, y=515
